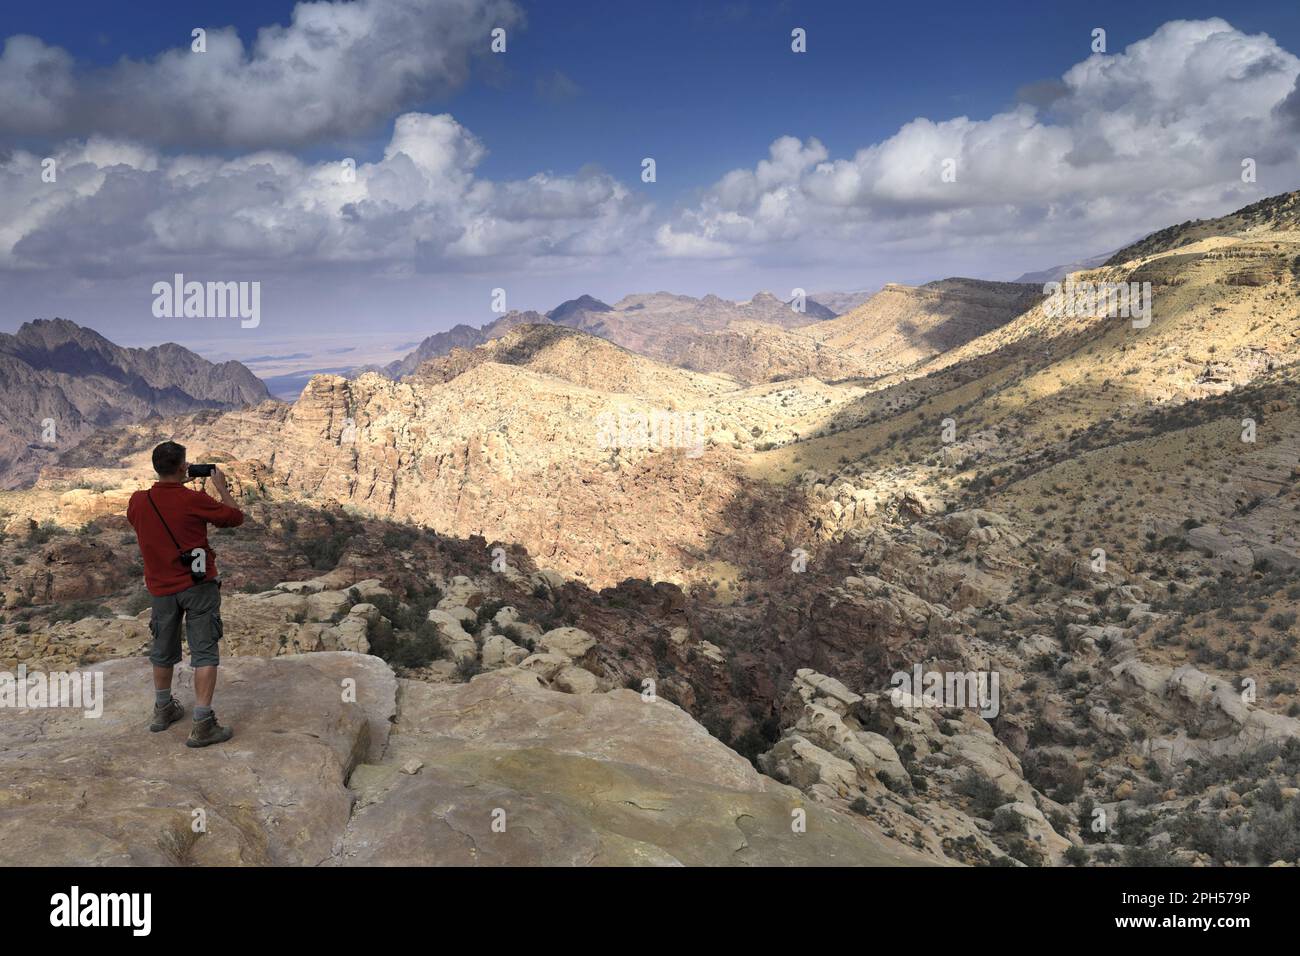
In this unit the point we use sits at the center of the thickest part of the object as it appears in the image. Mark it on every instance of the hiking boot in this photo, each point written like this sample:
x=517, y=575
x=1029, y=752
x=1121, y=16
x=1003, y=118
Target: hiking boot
x=208, y=731
x=164, y=715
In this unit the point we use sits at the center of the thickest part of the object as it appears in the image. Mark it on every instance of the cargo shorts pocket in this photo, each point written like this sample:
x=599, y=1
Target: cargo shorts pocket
x=203, y=624
x=164, y=632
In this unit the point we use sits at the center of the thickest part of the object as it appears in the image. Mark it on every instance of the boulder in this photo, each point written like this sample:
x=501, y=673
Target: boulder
x=545, y=666
x=500, y=651
x=572, y=642
x=801, y=763
x=575, y=680
x=327, y=605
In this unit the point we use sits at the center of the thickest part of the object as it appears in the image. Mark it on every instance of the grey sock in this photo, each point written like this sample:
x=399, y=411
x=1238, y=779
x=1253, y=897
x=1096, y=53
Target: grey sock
x=161, y=697
x=201, y=712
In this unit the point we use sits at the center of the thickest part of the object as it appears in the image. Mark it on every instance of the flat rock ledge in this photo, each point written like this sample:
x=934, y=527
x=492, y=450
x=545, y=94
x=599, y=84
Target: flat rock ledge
x=337, y=762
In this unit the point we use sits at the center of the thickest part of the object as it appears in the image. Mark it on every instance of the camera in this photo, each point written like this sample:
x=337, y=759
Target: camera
x=196, y=562
x=200, y=471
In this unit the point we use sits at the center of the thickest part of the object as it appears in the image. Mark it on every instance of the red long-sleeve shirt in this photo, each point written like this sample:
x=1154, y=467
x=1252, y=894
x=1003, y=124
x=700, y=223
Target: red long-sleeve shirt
x=188, y=513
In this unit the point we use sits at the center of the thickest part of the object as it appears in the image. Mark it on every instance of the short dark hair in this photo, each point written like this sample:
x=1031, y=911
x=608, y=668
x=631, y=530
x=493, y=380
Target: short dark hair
x=168, y=458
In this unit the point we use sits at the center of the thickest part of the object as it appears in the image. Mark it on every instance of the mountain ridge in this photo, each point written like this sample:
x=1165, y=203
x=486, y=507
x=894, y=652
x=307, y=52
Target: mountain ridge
x=54, y=370
x=660, y=325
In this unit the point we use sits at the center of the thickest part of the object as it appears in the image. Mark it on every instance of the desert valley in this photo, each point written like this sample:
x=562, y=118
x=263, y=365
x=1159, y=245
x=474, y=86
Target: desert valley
x=643, y=577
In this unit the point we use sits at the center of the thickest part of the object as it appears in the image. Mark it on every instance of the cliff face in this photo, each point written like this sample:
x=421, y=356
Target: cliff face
x=501, y=451
x=59, y=382
x=520, y=441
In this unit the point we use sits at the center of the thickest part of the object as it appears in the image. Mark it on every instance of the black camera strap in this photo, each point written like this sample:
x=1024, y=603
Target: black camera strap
x=149, y=495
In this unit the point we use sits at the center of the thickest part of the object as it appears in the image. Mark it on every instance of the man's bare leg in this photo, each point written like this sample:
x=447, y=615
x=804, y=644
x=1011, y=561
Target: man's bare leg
x=205, y=682
x=162, y=677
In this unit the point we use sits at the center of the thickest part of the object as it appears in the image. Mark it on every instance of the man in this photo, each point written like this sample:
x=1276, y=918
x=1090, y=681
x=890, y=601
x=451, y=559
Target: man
x=171, y=526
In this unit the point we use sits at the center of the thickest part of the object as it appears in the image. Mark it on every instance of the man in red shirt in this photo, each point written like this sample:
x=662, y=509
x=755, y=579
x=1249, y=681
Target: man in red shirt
x=180, y=573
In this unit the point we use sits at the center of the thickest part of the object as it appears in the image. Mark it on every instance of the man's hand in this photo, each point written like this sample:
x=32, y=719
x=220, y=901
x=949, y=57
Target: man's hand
x=219, y=482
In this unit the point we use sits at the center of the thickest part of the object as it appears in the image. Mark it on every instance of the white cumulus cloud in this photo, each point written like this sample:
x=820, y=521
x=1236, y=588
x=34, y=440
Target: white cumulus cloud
x=1131, y=141
x=120, y=208
x=336, y=69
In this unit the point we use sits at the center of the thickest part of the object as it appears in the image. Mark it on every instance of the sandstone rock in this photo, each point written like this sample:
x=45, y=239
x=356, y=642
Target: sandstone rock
x=575, y=680
x=68, y=568
x=572, y=642
x=505, y=617
x=803, y=764
x=550, y=581
x=81, y=792
x=327, y=605
x=300, y=587
x=460, y=592
x=545, y=666
x=589, y=779
x=1108, y=723
x=809, y=686
x=887, y=764
x=579, y=779
x=350, y=634
x=286, y=605
x=1037, y=828
x=370, y=588
x=456, y=643
x=712, y=652
x=366, y=612
x=500, y=651
x=462, y=615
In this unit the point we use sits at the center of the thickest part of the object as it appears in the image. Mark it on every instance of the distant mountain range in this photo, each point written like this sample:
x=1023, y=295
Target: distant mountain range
x=838, y=335
x=60, y=381
x=659, y=325
x=1057, y=273
x=841, y=302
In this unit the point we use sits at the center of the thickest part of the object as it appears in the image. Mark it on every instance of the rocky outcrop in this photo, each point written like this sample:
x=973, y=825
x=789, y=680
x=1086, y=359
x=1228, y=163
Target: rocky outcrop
x=1214, y=717
x=845, y=749
x=601, y=463
x=66, y=569
x=335, y=762
x=106, y=792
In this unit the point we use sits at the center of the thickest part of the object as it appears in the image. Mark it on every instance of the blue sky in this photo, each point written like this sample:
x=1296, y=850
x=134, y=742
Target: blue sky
x=555, y=130
x=705, y=91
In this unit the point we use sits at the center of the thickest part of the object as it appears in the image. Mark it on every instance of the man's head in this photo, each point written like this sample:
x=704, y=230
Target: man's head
x=169, y=461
